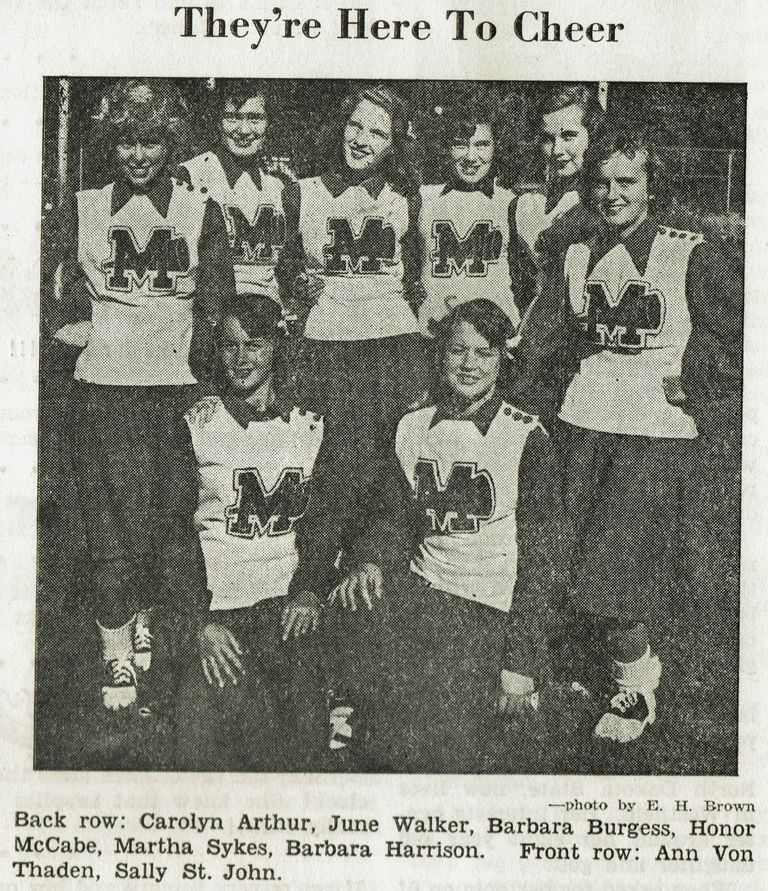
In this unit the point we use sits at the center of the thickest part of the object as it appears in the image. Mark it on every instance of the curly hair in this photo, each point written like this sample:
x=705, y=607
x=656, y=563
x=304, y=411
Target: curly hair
x=461, y=122
x=142, y=109
x=629, y=141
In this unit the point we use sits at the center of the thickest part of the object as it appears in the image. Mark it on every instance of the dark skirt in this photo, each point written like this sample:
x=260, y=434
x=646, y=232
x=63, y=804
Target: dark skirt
x=123, y=443
x=273, y=720
x=625, y=496
x=423, y=668
x=362, y=389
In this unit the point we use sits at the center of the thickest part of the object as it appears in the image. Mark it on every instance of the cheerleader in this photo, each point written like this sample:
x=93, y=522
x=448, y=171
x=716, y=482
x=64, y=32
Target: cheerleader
x=469, y=500
x=464, y=222
x=235, y=174
x=566, y=118
x=251, y=699
x=352, y=257
x=148, y=268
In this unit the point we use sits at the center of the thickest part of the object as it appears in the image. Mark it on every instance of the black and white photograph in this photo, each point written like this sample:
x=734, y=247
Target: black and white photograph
x=390, y=426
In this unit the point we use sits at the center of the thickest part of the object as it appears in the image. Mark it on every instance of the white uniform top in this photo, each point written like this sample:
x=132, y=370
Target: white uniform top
x=352, y=241
x=140, y=268
x=254, y=218
x=254, y=487
x=644, y=324
x=466, y=238
x=465, y=484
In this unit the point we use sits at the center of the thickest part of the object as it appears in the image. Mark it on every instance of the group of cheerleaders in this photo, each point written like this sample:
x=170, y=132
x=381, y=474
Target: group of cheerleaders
x=366, y=516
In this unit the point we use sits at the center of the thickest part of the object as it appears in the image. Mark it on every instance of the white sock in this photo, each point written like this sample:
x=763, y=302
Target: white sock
x=514, y=684
x=641, y=674
x=117, y=643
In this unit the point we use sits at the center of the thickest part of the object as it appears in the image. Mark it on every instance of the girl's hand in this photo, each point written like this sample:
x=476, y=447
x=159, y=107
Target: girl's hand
x=220, y=655
x=365, y=582
x=517, y=695
x=301, y=615
x=307, y=288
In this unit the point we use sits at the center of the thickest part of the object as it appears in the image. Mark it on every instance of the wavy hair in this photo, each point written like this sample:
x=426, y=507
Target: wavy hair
x=398, y=168
x=259, y=316
x=629, y=141
x=489, y=320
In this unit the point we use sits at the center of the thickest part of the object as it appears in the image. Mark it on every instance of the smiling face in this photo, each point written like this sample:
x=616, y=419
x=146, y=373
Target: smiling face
x=471, y=365
x=247, y=361
x=620, y=191
x=471, y=158
x=367, y=137
x=141, y=158
x=564, y=140
x=244, y=129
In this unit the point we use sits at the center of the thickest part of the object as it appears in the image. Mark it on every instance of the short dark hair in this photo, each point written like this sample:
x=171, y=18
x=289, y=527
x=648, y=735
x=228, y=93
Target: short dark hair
x=259, y=316
x=461, y=122
x=626, y=140
x=487, y=318
x=238, y=91
x=562, y=95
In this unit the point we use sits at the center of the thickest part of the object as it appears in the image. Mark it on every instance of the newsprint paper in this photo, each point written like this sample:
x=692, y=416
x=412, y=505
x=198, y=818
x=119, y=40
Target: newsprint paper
x=382, y=443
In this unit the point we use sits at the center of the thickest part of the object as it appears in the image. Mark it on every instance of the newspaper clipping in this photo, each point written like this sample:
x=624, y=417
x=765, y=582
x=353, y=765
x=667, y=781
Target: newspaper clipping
x=383, y=405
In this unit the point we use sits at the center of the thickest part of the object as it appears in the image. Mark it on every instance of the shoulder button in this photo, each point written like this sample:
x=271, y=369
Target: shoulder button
x=203, y=190
x=507, y=411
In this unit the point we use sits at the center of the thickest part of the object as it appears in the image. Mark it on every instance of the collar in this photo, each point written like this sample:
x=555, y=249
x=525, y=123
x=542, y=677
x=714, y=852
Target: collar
x=486, y=186
x=244, y=413
x=482, y=417
x=559, y=187
x=638, y=243
x=337, y=182
x=159, y=193
x=234, y=168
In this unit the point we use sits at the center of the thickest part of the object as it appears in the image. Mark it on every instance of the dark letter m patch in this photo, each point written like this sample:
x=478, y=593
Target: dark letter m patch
x=260, y=512
x=457, y=504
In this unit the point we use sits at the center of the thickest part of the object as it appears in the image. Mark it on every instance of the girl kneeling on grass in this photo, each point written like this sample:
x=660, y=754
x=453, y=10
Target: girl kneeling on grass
x=252, y=699
x=472, y=501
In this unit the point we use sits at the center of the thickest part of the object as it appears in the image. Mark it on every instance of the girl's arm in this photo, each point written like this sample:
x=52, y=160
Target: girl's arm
x=544, y=545
x=183, y=565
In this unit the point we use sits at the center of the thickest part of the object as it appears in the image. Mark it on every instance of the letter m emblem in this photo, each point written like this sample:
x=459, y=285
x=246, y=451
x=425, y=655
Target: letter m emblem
x=470, y=255
x=623, y=321
x=365, y=253
x=261, y=511
x=158, y=265
x=456, y=504
x=257, y=243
